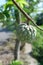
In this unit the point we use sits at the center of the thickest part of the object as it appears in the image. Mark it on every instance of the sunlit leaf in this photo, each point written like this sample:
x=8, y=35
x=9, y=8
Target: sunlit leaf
x=22, y=3
x=10, y=3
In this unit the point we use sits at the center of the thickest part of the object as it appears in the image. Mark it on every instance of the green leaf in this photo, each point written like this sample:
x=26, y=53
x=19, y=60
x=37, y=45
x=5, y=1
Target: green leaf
x=17, y=62
x=10, y=3
x=1, y=16
x=6, y=13
x=22, y=3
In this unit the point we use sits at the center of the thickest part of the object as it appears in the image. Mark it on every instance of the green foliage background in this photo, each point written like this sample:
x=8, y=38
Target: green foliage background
x=10, y=14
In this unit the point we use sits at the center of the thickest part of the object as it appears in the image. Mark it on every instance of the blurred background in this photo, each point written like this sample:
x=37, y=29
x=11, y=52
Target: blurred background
x=10, y=17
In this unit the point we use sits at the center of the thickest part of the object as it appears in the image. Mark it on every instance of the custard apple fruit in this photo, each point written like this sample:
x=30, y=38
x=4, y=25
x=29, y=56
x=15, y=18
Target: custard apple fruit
x=26, y=33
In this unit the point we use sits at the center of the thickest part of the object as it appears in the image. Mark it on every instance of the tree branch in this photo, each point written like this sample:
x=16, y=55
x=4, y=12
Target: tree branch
x=26, y=15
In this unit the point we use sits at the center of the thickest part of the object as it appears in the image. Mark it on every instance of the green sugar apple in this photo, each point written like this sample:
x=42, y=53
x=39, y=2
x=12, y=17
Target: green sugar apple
x=26, y=33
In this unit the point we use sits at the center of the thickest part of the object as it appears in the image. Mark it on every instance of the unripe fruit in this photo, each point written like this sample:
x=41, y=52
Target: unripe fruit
x=25, y=33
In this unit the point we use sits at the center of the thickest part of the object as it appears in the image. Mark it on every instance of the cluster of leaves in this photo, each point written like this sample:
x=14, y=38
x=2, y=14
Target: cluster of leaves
x=38, y=46
x=31, y=7
x=9, y=8
x=39, y=18
x=22, y=3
